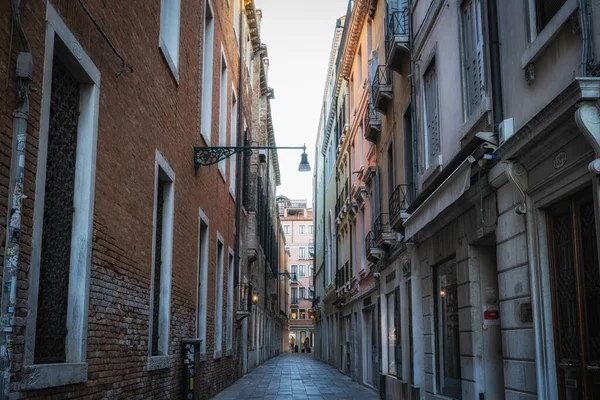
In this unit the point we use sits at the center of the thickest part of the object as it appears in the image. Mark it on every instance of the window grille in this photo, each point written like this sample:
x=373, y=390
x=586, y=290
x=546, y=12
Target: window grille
x=431, y=114
x=51, y=326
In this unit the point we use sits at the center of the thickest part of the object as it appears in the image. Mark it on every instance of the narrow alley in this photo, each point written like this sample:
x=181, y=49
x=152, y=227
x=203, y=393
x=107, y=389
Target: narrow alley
x=295, y=376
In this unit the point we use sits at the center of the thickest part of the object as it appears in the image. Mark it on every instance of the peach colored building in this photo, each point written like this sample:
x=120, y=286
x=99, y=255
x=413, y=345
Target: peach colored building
x=297, y=222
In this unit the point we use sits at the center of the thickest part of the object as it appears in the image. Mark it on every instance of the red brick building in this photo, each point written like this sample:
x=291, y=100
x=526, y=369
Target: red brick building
x=115, y=248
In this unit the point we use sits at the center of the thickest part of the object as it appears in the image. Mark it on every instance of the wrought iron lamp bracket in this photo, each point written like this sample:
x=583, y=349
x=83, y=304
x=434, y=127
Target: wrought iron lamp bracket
x=209, y=155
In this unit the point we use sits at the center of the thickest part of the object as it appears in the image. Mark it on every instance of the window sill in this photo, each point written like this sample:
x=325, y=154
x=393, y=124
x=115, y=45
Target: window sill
x=168, y=59
x=203, y=357
x=229, y=352
x=431, y=172
x=43, y=376
x=547, y=35
x=218, y=354
x=158, y=362
x=473, y=121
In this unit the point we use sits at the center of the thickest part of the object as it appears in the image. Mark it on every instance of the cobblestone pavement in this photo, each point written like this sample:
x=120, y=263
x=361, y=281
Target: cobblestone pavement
x=295, y=376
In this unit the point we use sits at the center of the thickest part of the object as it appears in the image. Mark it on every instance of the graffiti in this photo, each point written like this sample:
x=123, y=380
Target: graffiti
x=11, y=251
x=15, y=218
x=16, y=236
x=7, y=285
x=18, y=196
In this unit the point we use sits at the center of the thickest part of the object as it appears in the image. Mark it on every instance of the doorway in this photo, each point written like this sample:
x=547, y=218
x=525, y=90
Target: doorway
x=575, y=279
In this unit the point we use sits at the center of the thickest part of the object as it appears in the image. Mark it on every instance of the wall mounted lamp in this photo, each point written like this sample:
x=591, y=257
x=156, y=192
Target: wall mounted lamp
x=209, y=155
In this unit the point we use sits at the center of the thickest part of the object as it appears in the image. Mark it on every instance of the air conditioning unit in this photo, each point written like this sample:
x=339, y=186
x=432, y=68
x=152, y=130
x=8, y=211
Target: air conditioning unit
x=506, y=129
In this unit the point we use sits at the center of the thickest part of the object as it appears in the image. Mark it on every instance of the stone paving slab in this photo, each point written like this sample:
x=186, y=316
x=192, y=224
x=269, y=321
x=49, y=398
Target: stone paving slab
x=296, y=377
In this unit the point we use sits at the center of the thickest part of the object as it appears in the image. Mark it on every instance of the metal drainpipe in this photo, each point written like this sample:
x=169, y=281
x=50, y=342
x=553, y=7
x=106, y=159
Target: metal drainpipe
x=324, y=228
x=24, y=69
x=267, y=206
x=495, y=62
x=413, y=108
x=585, y=37
x=241, y=137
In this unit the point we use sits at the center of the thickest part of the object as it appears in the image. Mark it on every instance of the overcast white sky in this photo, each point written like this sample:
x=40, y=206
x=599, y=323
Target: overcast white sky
x=298, y=36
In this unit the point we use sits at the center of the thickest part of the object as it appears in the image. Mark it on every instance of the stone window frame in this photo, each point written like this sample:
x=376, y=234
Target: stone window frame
x=208, y=42
x=539, y=41
x=162, y=361
x=202, y=295
x=169, y=34
x=75, y=369
x=230, y=301
x=223, y=108
x=218, y=321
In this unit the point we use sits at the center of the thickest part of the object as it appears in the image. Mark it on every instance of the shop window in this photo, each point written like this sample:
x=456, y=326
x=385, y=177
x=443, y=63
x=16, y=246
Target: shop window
x=448, y=354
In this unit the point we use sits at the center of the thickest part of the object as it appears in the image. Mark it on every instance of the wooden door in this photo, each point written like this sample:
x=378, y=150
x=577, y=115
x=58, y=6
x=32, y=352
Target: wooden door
x=576, y=296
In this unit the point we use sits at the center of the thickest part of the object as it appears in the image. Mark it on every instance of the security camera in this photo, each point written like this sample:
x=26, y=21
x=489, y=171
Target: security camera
x=377, y=275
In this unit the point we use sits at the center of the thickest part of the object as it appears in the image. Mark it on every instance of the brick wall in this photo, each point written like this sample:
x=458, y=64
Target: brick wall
x=139, y=113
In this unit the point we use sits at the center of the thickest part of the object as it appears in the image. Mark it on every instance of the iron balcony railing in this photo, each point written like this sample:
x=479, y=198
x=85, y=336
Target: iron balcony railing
x=382, y=78
x=381, y=225
x=400, y=200
x=370, y=241
x=342, y=276
x=397, y=25
x=372, y=123
x=245, y=303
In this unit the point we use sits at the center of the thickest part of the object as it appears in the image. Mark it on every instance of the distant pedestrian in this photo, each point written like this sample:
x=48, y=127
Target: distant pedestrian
x=292, y=341
x=306, y=344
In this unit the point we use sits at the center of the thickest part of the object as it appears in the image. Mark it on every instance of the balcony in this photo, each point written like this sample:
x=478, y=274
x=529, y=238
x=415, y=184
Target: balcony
x=245, y=304
x=381, y=89
x=342, y=277
x=372, y=123
x=398, y=204
x=384, y=237
x=396, y=40
x=340, y=206
x=374, y=253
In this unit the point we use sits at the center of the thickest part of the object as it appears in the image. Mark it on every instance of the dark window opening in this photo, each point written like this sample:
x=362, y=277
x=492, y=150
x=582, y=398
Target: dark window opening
x=545, y=11
x=157, y=266
x=51, y=324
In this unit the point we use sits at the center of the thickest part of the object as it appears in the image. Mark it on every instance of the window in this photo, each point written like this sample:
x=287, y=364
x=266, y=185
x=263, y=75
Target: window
x=473, y=68
x=286, y=229
x=310, y=229
x=310, y=270
x=207, y=73
x=301, y=229
x=359, y=68
x=302, y=252
x=448, y=361
x=229, y=331
x=62, y=229
x=168, y=38
x=391, y=169
x=302, y=293
x=394, y=336
x=302, y=313
x=432, y=133
x=233, y=141
x=162, y=254
x=219, y=298
x=223, y=111
x=294, y=313
x=202, y=281
x=236, y=18
x=294, y=273
x=294, y=293
x=301, y=270
x=545, y=10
